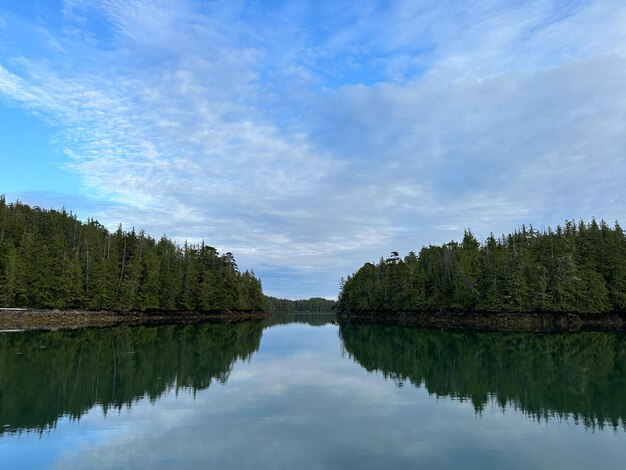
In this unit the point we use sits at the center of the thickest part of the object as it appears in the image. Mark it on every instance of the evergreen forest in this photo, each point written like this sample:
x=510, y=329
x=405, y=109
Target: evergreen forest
x=577, y=268
x=314, y=304
x=50, y=259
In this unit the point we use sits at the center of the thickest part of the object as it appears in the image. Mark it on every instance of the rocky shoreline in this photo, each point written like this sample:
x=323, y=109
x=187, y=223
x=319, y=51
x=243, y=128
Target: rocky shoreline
x=490, y=321
x=33, y=319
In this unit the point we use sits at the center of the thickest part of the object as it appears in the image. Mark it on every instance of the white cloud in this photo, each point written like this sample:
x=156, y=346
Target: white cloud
x=245, y=127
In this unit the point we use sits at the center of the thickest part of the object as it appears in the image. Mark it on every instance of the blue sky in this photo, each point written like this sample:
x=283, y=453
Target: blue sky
x=310, y=137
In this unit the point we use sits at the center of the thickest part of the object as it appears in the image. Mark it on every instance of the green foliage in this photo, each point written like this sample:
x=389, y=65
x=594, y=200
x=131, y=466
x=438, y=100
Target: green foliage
x=50, y=259
x=579, y=268
x=314, y=304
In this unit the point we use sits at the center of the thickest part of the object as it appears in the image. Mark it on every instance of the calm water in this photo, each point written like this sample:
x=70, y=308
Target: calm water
x=310, y=394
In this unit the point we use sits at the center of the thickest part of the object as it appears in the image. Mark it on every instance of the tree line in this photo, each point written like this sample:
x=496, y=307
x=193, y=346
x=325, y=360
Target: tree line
x=50, y=259
x=314, y=304
x=578, y=268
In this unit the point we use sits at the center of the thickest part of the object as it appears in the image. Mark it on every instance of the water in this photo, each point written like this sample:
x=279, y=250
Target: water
x=310, y=394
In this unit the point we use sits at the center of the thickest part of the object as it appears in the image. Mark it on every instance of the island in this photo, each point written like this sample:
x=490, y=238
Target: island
x=571, y=277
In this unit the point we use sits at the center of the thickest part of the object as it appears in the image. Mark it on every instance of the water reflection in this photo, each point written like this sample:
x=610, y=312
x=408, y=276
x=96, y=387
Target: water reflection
x=285, y=397
x=305, y=318
x=45, y=375
x=573, y=375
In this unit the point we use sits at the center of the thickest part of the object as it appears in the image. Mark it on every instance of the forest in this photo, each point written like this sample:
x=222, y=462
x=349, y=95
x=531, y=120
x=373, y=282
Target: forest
x=314, y=304
x=577, y=268
x=50, y=259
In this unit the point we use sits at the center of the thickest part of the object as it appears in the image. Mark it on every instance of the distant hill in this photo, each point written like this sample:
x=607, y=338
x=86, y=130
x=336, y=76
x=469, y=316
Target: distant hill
x=314, y=304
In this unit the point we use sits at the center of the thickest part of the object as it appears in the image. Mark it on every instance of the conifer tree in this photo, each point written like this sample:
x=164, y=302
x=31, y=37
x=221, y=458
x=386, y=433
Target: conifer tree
x=50, y=259
x=580, y=267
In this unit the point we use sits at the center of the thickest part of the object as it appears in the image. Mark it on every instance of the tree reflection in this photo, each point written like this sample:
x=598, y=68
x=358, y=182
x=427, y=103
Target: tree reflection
x=575, y=375
x=46, y=375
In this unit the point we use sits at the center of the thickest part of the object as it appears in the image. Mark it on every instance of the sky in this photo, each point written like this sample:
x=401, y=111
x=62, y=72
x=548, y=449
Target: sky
x=310, y=137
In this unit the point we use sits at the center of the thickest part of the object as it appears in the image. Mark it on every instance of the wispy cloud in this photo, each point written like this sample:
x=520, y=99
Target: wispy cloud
x=309, y=139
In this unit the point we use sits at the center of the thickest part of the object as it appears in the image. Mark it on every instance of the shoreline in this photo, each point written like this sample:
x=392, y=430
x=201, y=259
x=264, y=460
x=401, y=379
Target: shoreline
x=493, y=321
x=41, y=319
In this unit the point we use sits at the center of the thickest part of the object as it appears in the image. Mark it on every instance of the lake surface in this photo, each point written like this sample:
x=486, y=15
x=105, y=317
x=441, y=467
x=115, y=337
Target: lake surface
x=306, y=392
